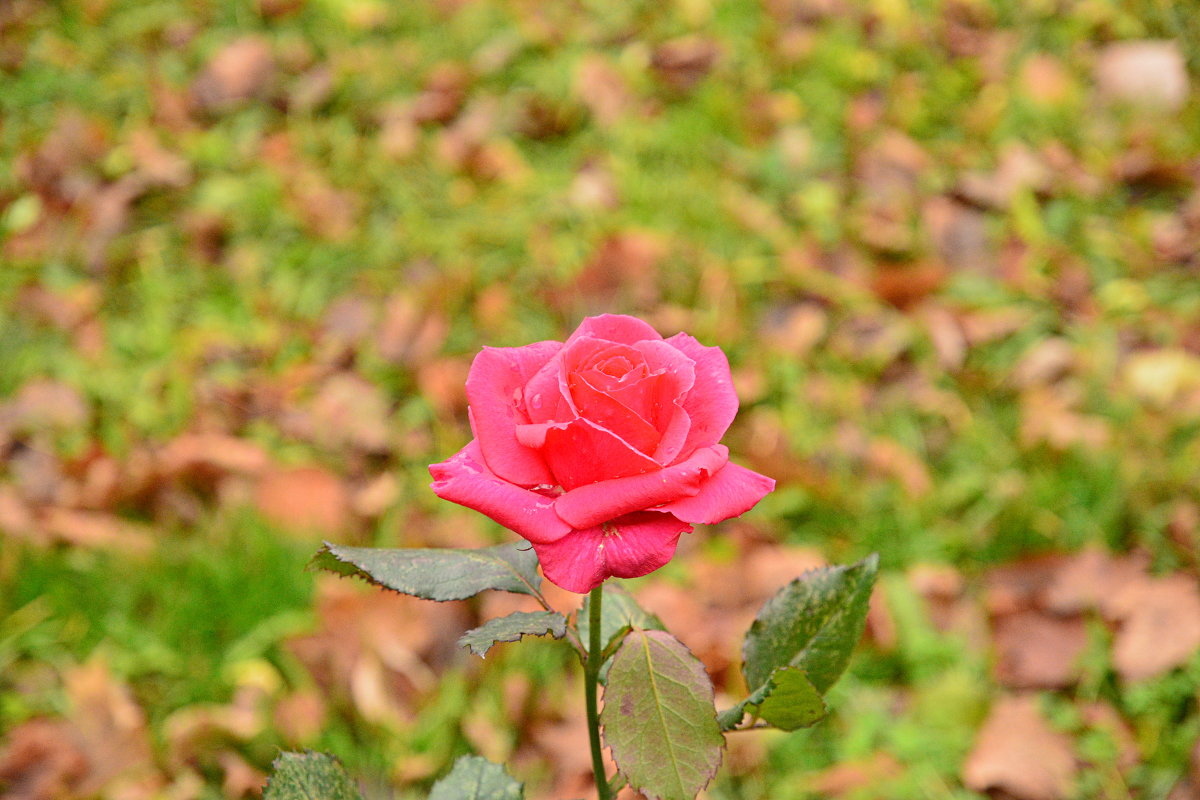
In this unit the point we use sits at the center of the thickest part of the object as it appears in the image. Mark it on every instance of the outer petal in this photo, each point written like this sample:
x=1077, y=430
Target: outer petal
x=465, y=479
x=581, y=452
x=615, y=328
x=628, y=547
x=733, y=490
x=494, y=390
x=596, y=503
x=712, y=403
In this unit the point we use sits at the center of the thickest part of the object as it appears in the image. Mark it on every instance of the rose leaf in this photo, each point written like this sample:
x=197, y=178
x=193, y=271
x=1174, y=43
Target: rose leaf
x=788, y=701
x=659, y=718
x=297, y=776
x=812, y=623
x=475, y=778
x=436, y=573
x=513, y=628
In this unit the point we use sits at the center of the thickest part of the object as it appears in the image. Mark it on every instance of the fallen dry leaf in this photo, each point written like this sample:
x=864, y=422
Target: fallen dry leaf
x=1150, y=74
x=443, y=95
x=602, y=89
x=1160, y=626
x=682, y=63
x=238, y=72
x=41, y=760
x=350, y=411
x=1017, y=751
x=304, y=499
x=211, y=455
x=378, y=650
x=96, y=529
x=1092, y=579
x=1039, y=651
x=856, y=777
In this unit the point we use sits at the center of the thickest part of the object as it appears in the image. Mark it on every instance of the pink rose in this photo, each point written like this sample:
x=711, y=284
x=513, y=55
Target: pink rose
x=601, y=450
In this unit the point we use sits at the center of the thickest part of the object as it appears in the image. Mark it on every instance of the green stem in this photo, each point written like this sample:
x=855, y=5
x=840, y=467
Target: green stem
x=591, y=679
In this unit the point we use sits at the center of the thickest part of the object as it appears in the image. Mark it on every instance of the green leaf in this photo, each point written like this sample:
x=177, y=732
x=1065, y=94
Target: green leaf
x=659, y=718
x=512, y=628
x=436, y=573
x=619, y=612
x=788, y=700
x=475, y=778
x=813, y=623
x=309, y=776
x=792, y=702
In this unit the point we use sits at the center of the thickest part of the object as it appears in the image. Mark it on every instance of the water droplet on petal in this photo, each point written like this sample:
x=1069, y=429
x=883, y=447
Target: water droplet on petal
x=536, y=402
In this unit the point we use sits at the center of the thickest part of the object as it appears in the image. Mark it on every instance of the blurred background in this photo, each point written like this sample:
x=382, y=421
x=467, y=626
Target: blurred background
x=248, y=250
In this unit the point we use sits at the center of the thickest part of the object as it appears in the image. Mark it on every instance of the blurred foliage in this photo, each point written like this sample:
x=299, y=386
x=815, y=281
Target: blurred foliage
x=247, y=251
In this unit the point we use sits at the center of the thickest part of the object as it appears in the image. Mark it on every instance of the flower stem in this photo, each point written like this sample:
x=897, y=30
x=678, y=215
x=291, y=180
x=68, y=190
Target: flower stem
x=591, y=679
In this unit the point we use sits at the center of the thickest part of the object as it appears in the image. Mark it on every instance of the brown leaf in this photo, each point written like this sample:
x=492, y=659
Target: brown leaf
x=96, y=529
x=304, y=499
x=443, y=95
x=350, y=411
x=111, y=730
x=890, y=458
x=238, y=72
x=904, y=286
x=1044, y=79
x=43, y=404
x=1050, y=416
x=1017, y=752
x=1019, y=169
x=594, y=189
x=625, y=266
x=1045, y=362
x=410, y=332
x=154, y=163
x=378, y=650
x=1092, y=579
x=1020, y=586
x=196, y=734
x=1038, y=651
x=1160, y=627
x=684, y=62
x=960, y=235
x=41, y=760
x=300, y=716
x=602, y=89
x=856, y=777
x=1150, y=74
x=211, y=455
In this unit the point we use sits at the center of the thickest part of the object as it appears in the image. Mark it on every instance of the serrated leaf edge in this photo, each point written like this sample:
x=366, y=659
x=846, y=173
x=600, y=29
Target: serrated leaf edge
x=871, y=561
x=329, y=548
x=720, y=753
x=520, y=635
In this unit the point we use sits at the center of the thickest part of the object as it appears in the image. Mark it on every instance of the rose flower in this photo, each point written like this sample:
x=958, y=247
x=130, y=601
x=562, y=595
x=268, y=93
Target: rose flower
x=601, y=450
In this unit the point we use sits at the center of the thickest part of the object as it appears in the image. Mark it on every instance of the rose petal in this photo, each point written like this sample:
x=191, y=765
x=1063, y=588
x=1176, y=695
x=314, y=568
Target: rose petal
x=713, y=403
x=494, y=391
x=581, y=452
x=615, y=328
x=465, y=479
x=628, y=547
x=673, y=438
x=732, y=491
x=547, y=396
x=595, y=503
x=613, y=415
x=653, y=398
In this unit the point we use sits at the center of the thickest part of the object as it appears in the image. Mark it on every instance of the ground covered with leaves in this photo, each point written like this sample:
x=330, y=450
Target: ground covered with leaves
x=248, y=251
